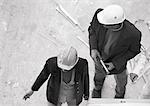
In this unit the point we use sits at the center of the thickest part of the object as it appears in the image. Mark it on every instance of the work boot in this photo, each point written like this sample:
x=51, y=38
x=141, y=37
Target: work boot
x=116, y=97
x=96, y=93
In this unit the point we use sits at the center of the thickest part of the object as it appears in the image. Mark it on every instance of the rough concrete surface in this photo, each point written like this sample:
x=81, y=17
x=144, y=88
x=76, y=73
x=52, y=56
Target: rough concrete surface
x=31, y=31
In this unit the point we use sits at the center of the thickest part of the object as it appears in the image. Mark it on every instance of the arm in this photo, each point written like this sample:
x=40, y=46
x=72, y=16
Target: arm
x=92, y=31
x=43, y=76
x=133, y=50
x=86, y=81
x=93, y=39
x=38, y=83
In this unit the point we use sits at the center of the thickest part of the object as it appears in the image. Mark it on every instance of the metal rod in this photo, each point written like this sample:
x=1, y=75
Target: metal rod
x=101, y=61
x=63, y=12
x=104, y=66
x=83, y=41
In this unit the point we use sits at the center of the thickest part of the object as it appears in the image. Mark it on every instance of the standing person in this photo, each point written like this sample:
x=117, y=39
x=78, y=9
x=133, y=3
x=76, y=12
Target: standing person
x=69, y=79
x=115, y=40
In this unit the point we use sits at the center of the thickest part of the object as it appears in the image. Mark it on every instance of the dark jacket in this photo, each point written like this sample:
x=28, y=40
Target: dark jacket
x=127, y=45
x=51, y=69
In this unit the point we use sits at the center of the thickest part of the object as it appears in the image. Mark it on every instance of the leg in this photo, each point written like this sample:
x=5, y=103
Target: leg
x=51, y=104
x=99, y=78
x=121, y=82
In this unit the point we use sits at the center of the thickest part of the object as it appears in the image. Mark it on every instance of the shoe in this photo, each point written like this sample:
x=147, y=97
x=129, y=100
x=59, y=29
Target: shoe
x=121, y=97
x=96, y=93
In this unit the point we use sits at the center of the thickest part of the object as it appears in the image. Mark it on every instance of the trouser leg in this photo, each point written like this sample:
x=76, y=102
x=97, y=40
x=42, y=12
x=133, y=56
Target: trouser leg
x=121, y=82
x=99, y=78
x=51, y=104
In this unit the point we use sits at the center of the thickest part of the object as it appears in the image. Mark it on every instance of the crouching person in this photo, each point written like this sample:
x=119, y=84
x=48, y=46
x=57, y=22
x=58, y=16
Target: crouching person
x=68, y=81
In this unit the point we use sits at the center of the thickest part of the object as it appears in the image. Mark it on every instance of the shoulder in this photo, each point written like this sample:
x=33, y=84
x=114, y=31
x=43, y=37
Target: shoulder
x=132, y=29
x=52, y=60
x=82, y=65
x=82, y=61
x=98, y=10
x=95, y=22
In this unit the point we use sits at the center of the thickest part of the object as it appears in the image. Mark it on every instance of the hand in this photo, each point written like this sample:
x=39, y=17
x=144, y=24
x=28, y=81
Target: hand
x=133, y=77
x=28, y=95
x=110, y=66
x=95, y=56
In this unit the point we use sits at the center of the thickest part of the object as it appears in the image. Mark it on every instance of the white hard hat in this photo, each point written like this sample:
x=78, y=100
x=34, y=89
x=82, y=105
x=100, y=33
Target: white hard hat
x=67, y=58
x=113, y=14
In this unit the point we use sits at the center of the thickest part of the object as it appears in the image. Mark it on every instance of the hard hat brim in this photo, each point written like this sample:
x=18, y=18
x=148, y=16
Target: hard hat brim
x=101, y=19
x=65, y=67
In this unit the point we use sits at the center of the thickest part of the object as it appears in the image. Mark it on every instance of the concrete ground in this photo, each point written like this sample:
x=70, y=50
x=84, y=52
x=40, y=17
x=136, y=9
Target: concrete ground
x=31, y=31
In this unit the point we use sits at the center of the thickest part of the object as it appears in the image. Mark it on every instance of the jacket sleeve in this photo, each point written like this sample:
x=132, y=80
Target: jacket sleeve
x=86, y=82
x=92, y=31
x=133, y=50
x=43, y=76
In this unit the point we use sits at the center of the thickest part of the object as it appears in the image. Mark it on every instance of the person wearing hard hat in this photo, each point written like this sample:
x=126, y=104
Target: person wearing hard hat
x=115, y=40
x=68, y=81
